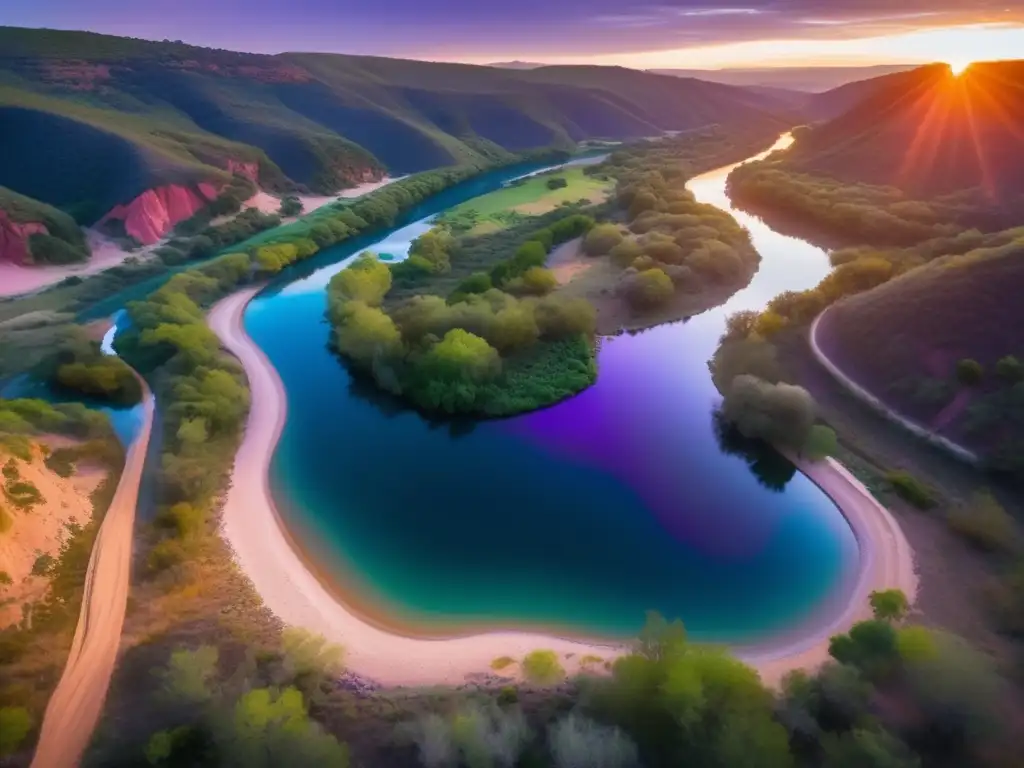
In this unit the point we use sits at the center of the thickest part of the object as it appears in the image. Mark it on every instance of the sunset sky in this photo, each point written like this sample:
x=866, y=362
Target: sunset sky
x=665, y=33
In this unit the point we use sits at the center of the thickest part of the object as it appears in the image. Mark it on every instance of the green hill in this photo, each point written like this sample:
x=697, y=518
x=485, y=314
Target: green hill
x=133, y=114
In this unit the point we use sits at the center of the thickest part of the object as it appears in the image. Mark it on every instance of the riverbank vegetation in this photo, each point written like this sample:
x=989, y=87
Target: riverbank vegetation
x=34, y=646
x=893, y=694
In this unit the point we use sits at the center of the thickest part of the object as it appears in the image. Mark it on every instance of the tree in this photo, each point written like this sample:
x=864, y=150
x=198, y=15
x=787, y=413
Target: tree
x=870, y=646
x=366, y=333
x=601, y=239
x=821, y=442
x=268, y=729
x=862, y=748
x=291, y=206
x=15, y=725
x=188, y=678
x=367, y=280
x=556, y=183
x=889, y=604
x=969, y=372
x=1010, y=370
x=648, y=289
x=781, y=414
x=542, y=667
x=539, y=281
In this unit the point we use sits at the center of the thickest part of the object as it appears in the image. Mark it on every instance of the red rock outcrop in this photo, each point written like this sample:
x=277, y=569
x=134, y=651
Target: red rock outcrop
x=154, y=213
x=14, y=237
x=251, y=170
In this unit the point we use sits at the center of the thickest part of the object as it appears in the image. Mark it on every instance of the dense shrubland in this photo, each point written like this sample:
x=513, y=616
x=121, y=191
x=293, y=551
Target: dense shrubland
x=893, y=694
x=854, y=213
x=64, y=242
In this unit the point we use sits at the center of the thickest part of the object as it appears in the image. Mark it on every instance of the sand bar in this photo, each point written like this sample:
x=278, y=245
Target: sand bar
x=252, y=527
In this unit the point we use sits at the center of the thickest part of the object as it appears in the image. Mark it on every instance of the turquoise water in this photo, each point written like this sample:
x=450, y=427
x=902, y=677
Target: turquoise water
x=582, y=516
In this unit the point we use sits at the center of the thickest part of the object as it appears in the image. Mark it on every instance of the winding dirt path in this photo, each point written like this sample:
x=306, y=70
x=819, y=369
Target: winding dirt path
x=77, y=701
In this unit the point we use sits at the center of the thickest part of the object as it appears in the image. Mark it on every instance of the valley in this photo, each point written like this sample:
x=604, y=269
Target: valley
x=434, y=414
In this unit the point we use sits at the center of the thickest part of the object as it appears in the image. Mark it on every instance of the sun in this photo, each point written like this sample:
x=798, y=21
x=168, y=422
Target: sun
x=958, y=66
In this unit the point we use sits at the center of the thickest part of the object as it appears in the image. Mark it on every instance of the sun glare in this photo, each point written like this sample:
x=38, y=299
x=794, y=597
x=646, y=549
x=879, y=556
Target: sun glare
x=958, y=66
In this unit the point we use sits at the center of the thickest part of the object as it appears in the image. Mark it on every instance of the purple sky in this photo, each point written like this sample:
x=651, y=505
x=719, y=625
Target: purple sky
x=488, y=30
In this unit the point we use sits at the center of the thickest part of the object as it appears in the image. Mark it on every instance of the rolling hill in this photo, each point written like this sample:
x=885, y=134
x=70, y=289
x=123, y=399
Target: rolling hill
x=90, y=122
x=902, y=341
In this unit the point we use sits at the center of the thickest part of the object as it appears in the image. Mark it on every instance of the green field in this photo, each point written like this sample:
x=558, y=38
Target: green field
x=531, y=197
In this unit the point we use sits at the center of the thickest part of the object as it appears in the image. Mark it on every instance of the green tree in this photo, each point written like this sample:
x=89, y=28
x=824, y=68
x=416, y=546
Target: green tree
x=291, y=206
x=367, y=333
x=782, y=414
x=648, y=289
x=188, y=678
x=601, y=239
x=539, y=281
x=1010, y=370
x=268, y=729
x=821, y=443
x=889, y=604
x=969, y=372
x=542, y=667
x=15, y=724
x=367, y=280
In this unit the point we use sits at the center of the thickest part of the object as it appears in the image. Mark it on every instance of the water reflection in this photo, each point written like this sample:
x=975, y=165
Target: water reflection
x=771, y=468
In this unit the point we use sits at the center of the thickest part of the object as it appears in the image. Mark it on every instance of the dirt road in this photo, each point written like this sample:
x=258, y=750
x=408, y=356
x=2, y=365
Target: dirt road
x=74, y=709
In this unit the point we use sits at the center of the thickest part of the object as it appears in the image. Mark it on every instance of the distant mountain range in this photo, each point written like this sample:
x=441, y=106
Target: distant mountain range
x=808, y=79
x=88, y=121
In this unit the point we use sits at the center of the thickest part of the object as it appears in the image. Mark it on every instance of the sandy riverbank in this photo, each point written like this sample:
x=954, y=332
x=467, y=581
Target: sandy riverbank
x=289, y=588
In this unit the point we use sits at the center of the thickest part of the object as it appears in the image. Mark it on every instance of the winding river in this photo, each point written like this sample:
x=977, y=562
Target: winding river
x=580, y=517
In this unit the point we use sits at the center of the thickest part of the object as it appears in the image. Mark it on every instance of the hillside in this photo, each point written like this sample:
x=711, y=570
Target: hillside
x=106, y=127
x=894, y=341
x=32, y=232
x=927, y=132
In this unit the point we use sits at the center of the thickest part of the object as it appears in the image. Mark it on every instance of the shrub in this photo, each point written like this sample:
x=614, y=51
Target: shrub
x=557, y=183
x=648, y=289
x=1010, y=370
x=502, y=662
x=508, y=695
x=781, y=414
x=5, y=579
x=6, y=523
x=46, y=249
x=15, y=724
x=291, y=206
x=910, y=489
x=167, y=554
x=889, y=604
x=578, y=742
x=969, y=372
x=43, y=565
x=601, y=239
x=985, y=524
x=820, y=443
x=542, y=668
x=539, y=281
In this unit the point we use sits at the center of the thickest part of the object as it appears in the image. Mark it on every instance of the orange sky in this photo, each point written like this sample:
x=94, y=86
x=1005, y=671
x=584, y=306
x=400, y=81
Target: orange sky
x=957, y=45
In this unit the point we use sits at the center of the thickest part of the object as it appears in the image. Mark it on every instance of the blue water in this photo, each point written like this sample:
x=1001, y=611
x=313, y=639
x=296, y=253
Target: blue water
x=585, y=515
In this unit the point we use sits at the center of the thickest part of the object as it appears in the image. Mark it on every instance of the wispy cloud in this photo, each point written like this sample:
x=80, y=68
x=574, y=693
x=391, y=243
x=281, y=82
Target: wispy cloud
x=721, y=12
x=869, y=19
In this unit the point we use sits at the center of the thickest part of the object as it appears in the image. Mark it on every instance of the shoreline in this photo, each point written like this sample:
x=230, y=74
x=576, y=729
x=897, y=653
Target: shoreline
x=292, y=589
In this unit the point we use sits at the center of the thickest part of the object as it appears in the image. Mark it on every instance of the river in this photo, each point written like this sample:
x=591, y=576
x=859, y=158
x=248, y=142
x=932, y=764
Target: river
x=582, y=516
